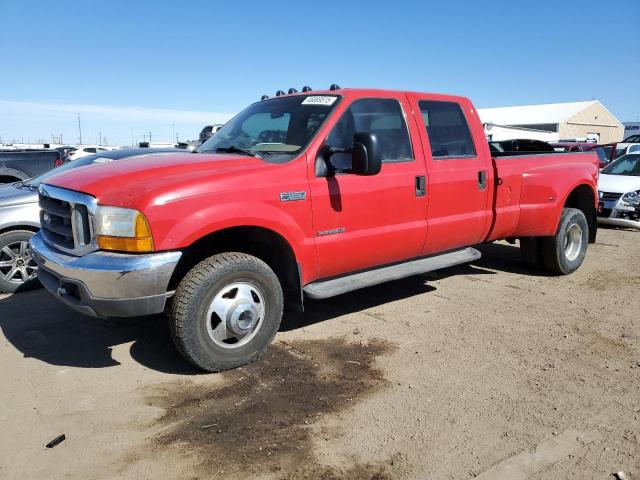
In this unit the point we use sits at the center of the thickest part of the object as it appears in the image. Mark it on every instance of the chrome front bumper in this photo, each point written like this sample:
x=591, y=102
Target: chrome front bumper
x=104, y=284
x=612, y=213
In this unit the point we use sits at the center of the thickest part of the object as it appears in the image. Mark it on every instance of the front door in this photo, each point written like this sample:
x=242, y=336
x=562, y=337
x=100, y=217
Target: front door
x=364, y=221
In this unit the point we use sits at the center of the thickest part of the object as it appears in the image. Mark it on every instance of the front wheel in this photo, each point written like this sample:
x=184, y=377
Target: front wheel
x=564, y=252
x=226, y=311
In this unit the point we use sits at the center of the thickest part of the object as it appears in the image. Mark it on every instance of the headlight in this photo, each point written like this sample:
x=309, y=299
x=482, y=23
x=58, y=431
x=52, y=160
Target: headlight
x=122, y=229
x=631, y=199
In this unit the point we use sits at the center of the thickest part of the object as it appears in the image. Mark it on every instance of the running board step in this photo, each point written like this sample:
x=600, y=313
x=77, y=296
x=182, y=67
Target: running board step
x=337, y=286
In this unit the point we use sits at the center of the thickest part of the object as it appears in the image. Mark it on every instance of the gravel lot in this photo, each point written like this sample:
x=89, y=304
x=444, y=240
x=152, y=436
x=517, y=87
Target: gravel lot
x=489, y=371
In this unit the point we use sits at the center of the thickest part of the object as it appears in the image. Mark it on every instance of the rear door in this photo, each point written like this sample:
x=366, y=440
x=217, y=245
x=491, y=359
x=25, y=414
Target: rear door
x=459, y=175
x=364, y=221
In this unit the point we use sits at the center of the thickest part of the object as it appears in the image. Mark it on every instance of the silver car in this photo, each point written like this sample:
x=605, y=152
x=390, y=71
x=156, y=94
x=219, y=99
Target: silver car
x=20, y=218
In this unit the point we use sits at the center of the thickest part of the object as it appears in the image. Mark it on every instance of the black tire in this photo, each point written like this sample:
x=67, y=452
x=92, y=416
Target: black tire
x=12, y=281
x=531, y=252
x=189, y=307
x=558, y=257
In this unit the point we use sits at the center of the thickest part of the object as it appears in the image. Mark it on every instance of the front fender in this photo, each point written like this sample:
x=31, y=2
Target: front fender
x=183, y=230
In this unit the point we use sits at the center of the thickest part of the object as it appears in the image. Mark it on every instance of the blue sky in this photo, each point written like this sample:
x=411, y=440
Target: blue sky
x=138, y=66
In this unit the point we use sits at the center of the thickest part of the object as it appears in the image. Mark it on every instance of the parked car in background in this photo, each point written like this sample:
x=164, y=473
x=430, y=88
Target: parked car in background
x=609, y=150
x=619, y=192
x=86, y=151
x=20, y=218
x=603, y=151
x=18, y=165
x=65, y=151
x=520, y=145
x=310, y=194
x=632, y=139
x=207, y=132
x=603, y=159
x=573, y=146
x=625, y=148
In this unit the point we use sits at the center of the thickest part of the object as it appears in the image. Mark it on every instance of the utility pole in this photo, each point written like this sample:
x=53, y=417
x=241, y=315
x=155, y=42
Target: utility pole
x=80, y=128
x=100, y=141
x=149, y=137
x=173, y=128
x=133, y=139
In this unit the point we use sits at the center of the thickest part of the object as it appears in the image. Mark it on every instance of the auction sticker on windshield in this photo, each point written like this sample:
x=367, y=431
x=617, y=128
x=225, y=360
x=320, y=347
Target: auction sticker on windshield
x=319, y=100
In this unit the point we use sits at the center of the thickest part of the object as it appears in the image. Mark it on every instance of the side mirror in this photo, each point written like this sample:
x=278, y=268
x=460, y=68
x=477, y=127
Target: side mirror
x=365, y=157
x=365, y=154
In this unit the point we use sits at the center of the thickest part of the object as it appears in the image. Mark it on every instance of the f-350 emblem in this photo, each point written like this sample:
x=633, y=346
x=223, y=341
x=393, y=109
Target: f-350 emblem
x=292, y=196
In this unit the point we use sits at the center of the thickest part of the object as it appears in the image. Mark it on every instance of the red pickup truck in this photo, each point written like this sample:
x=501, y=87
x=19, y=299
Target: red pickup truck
x=310, y=194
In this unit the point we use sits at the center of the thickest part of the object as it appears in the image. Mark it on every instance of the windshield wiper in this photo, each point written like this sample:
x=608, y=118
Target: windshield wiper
x=234, y=149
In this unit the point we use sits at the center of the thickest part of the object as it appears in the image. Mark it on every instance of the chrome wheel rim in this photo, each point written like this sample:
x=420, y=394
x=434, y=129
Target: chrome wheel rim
x=573, y=242
x=235, y=315
x=16, y=264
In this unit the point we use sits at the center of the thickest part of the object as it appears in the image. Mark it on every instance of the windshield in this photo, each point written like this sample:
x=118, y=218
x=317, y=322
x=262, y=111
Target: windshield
x=628, y=165
x=276, y=129
x=88, y=160
x=632, y=139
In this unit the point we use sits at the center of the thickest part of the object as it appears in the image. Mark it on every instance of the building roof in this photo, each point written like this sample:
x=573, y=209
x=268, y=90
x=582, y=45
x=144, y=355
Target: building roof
x=533, y=114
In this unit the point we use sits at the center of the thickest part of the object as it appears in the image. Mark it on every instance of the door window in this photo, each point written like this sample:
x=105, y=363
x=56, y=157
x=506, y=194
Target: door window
x=382, y=116
x=447, y=129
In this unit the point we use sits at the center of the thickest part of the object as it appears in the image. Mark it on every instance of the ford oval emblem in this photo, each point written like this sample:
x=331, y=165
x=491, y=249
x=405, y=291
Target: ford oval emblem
x=46, y=218
x=43, y=192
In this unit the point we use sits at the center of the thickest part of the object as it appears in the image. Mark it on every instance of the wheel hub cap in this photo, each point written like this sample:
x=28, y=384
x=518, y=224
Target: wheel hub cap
x=235, y=314
x=573, y=242
x=242, y=318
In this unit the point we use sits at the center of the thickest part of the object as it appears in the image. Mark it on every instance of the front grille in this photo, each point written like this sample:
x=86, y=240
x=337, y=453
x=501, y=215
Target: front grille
x=66, y=218
x=610, y=197
x=55, y=219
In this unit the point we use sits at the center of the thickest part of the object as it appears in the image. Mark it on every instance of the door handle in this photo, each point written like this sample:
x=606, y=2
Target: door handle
x=482, y=179
x=421, y=186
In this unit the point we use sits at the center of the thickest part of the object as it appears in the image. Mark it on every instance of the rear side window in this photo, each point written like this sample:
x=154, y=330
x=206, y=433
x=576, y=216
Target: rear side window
x=382, y=116
x=448, y=131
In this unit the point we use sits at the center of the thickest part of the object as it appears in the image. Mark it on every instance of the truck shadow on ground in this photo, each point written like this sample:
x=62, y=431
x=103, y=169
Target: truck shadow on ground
x=40, y=327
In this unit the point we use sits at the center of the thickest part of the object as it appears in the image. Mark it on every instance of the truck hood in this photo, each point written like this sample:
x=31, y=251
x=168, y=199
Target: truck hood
x=11, y=195
x=156, y=179
x=618, y=183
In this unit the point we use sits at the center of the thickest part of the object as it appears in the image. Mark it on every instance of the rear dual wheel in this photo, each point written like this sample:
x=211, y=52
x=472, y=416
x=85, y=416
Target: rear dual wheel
x=226, y=311
x=563, y=253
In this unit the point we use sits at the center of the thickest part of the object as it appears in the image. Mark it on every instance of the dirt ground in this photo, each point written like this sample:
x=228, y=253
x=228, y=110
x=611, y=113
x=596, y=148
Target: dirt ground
x=489, y=370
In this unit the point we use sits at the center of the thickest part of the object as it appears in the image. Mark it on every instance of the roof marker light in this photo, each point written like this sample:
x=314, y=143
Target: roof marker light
x=264, y=97
x=306, y=88
x=280, y=93
x=292, y=90
x=334, y=86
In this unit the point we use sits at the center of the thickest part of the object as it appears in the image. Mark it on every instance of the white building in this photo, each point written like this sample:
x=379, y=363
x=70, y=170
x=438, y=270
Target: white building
x=553, y=122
